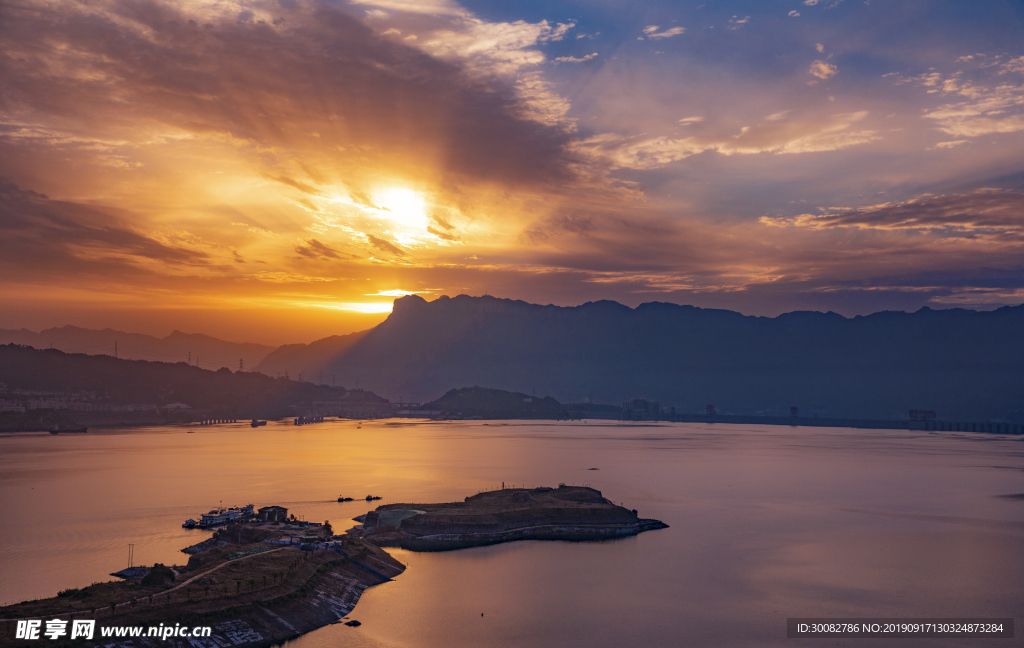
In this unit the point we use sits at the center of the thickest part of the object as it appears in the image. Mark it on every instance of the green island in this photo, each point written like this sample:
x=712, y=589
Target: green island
x=256, y=583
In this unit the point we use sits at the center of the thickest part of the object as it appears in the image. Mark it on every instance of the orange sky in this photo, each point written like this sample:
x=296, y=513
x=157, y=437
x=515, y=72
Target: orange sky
x=279, y=172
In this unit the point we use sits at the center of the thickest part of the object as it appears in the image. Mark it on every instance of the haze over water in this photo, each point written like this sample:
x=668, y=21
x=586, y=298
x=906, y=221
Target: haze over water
x=766, y=522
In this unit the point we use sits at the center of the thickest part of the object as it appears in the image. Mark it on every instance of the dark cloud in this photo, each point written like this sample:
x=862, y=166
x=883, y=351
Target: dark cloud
x=442, y=234
x=440, y=221
x=291, y=182
x=996, y=213
x=314, y=249
x=42, y=237
x=385, y=246
x=444, y=229
x=314, y=81
x=361, y=198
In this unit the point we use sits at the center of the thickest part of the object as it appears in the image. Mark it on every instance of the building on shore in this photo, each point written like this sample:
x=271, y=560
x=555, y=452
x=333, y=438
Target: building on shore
x=273, y=514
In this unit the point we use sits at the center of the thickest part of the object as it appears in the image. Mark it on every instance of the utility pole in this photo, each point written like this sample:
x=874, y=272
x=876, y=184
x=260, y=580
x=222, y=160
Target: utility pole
x=115, y=348
x=131, y=552
x=190, y=357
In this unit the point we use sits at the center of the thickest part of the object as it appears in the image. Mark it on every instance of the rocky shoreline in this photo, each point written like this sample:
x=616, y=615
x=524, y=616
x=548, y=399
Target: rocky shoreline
x=572, y=533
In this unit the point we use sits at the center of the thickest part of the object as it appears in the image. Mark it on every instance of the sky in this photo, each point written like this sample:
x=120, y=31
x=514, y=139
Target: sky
x=278, y=171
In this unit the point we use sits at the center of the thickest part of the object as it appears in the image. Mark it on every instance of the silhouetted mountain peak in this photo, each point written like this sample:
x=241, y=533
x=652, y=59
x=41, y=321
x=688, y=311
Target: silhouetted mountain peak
x=407, y=304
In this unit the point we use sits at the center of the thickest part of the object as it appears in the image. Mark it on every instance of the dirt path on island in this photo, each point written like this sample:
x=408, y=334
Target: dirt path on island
x=165, y=592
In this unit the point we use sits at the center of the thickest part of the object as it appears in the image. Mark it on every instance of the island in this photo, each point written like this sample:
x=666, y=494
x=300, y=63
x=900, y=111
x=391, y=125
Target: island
x=544, y=513
x=266, y=577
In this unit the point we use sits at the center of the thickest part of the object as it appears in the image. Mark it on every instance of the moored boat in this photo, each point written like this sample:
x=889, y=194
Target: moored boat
x=219, y=516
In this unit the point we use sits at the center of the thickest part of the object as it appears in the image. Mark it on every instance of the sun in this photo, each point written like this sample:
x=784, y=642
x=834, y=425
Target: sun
x=403, y=206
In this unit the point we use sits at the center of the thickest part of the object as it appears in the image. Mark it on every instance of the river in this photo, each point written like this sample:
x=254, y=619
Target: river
x=766, y=522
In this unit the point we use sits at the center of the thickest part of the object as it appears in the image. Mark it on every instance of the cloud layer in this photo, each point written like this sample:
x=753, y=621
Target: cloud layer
x=986, y=213
x=322, y=155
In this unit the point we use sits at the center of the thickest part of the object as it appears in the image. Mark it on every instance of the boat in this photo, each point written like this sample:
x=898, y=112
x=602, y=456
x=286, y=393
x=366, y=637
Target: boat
x=191, y=432
x=223, y=516
x=344, y=499
x=56, y=430
x=189, y=524
x=257, y=423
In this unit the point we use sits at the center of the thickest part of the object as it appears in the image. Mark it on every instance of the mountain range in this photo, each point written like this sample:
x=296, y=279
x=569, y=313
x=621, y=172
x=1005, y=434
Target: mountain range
x=98, y=380
x=964, y=364
x=193, y=348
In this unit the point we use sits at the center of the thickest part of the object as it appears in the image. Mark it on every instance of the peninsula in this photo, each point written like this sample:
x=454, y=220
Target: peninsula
x=252, y=583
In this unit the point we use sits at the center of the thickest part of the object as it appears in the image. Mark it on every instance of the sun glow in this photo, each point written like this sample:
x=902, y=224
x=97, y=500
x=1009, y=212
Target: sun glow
x=403, y=206
x=368, y=307
x=392, y=293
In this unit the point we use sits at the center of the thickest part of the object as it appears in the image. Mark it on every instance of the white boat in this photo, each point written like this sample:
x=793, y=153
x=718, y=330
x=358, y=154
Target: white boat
x=223, y=516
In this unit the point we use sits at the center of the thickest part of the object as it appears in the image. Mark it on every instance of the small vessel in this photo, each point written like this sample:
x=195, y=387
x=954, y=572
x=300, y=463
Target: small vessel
x=219, y=516
x=370, y=498
x=257, y=423
x=56, y=430
x=191, y=431
x=344, y=499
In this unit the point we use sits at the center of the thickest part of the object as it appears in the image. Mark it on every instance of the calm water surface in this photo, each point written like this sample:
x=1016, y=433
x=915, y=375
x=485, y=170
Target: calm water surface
x=766, y=522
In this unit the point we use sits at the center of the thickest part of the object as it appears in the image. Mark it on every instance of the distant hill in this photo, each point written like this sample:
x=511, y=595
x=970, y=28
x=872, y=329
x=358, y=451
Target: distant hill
x=496, y=404
x=117, y=381
x=210, y=352
x=301, y=359
x=964, y=364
